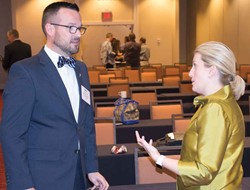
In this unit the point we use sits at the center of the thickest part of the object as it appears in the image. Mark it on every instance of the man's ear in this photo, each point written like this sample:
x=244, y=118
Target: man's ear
x=50, y=29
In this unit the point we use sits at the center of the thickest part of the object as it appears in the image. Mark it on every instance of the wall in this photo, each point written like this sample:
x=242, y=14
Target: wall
x=123, y=21
x=220, y=20
x=149, y=18
x=6, y=24
x=157, y=22
x=26, y=18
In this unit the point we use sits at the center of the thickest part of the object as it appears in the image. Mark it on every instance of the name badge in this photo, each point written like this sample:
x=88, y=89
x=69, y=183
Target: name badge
x=85, y=95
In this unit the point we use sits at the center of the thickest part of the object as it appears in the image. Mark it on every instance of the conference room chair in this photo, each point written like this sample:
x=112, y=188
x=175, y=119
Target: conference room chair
x=99, y=67
x=182, y=66
x=118, y=80
x=118, y=72
x=180, y=122
x=185, y=87
x=146, y=171
x=248, y=78
x=93, y=76
x=185, y=76
x=104, y=109
x=164, y=109
x=158, y=67
x=243, y=70
x=148, y=69
x=132, y=74
x=113, y=89
x=171, y=81
x=104, y=77
x=105, y=131
x=171, y=70
x=144, y=97
x=148, y=76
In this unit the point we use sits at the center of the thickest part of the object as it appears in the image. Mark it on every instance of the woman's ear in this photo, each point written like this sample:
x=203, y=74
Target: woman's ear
x=213, y=71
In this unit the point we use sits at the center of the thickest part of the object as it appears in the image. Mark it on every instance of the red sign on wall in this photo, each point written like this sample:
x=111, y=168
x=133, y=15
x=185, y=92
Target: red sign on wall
x=106, y=16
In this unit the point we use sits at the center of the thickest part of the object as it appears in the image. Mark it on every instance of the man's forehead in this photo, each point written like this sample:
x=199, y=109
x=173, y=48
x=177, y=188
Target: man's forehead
x=68, y=14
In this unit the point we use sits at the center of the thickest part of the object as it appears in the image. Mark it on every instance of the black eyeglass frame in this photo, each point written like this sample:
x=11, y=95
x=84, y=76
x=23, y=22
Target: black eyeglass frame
x=72, y=29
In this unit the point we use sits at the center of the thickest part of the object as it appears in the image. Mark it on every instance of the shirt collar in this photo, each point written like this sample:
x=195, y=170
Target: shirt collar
x=52, y=55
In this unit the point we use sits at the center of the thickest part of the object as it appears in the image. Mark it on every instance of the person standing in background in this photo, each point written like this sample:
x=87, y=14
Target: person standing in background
x=126, y=39
x=107, y=55
x=145, y=52
x=16, y=50
x=132, y=51
x=47, y=130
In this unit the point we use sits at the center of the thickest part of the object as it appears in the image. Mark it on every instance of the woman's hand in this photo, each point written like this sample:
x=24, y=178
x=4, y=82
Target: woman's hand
x=151, y=150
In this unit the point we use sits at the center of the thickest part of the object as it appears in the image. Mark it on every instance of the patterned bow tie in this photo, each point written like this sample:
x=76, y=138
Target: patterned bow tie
x=62, y=60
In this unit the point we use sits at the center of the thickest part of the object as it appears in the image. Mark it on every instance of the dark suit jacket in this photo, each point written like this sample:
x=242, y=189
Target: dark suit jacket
x=14, y=52
x=39, y=131
x=132, y=54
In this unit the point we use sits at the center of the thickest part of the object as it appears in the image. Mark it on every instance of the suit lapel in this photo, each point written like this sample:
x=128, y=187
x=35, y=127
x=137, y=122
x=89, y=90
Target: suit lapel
x=55, y=80
x=82, y=103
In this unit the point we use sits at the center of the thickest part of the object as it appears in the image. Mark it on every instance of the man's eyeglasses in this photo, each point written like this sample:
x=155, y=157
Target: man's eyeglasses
x=72, y=29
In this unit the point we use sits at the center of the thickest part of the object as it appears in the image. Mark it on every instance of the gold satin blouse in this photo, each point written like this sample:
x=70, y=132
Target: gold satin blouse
x=212, y=147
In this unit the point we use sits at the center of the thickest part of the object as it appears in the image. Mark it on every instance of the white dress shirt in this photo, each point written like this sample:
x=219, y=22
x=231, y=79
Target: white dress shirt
x=68, y=77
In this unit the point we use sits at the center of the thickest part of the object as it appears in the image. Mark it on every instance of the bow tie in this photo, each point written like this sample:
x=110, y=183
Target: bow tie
x=62, y=60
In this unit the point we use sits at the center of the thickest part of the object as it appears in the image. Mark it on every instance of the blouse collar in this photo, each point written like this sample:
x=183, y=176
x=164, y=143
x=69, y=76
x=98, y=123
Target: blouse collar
x=221, y=94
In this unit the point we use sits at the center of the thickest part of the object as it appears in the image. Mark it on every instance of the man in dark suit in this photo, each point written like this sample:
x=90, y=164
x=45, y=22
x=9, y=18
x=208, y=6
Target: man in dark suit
x=132, y=51
x=16, y=50
x=48, y=133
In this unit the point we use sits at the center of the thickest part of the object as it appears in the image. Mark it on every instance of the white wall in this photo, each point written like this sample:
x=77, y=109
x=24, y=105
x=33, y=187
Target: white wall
x=151, y=19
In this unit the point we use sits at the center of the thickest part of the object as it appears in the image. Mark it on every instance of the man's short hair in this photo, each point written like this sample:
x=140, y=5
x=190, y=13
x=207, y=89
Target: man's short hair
x=132, y=37
x=109, y=35
x=53, y=8
x=14, y=33
x=143, y=40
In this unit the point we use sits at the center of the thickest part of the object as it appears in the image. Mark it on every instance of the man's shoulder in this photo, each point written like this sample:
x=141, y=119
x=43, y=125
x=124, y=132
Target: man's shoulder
x=24, y=43
x=18, y=43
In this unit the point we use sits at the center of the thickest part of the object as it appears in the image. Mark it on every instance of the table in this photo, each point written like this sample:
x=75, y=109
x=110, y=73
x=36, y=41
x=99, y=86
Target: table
x=101, y=90
x=166, y=186
x=157, y=186
x=151, y=129
x=154, y=129
x=120, y=169
x=185, y=97
x=132, y=84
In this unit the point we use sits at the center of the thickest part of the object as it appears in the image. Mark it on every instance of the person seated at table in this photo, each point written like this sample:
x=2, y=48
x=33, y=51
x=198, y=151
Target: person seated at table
x=212, y=146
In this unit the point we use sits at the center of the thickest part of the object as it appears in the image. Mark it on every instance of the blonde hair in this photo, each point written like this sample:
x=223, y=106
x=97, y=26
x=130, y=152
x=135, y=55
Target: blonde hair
x=221, y=56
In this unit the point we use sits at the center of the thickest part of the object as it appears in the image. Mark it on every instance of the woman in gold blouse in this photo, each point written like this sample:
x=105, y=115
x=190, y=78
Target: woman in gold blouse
x=212, y=146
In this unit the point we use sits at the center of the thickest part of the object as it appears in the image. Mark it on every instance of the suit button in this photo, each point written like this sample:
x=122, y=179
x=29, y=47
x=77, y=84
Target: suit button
x=77, y=151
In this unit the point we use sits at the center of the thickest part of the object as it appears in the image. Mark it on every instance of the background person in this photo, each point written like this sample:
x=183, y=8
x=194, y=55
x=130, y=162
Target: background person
x=126, y=39
x=107, y=54
x=145, y=52
x=16, y=49
x=47, y=130
x=116, y=47
x=132, y=51
x=212, y=146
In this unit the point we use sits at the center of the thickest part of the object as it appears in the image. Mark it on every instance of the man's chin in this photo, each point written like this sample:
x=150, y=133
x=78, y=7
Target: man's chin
x=75, y=50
